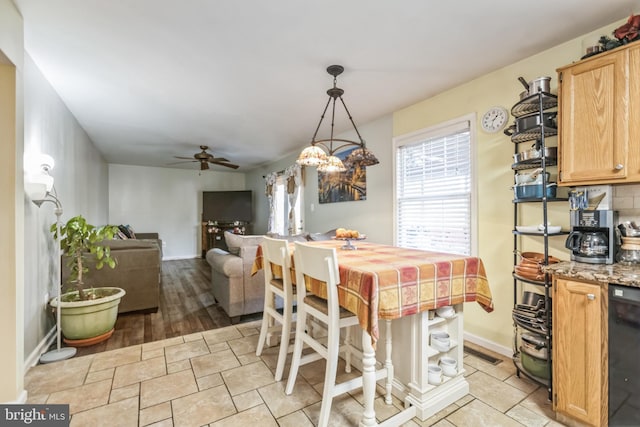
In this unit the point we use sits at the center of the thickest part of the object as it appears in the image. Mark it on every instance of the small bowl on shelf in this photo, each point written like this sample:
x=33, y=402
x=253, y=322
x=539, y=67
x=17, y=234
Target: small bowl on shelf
x=434, y=374
x=445, y=312
x=448, y=365
x=440, y=341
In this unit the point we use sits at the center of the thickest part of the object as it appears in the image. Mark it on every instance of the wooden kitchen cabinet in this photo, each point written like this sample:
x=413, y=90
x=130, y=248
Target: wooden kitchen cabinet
x=580, y=344
x=597, y=97
x=633, y=174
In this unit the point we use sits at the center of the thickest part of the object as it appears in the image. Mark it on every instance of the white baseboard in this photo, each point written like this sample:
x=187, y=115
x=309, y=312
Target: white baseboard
x=41, y=348
x=489, y=345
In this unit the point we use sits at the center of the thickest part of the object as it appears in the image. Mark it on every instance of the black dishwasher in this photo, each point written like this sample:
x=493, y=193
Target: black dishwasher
x=624, y=356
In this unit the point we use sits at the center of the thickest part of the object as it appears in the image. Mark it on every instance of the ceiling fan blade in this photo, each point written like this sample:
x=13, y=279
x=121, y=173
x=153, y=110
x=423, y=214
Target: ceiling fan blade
x=185, y=161
x=229, y=165
x=218, y=159
x=205, y=158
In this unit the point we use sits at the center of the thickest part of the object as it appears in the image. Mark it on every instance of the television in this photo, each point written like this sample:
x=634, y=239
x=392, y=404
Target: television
x=227, y=206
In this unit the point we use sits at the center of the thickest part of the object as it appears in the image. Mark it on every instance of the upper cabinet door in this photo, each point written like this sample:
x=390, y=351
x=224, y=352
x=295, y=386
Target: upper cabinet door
x=594, y=125
x=633, y=173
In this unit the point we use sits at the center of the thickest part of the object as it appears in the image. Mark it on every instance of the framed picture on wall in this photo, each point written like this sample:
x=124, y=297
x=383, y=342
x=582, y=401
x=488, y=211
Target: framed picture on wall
x=347, y=186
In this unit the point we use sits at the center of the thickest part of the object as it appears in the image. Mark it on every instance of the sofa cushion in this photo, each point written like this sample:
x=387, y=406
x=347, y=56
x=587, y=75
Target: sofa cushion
x=224, y=262
x=127, y=231
x=236, y=241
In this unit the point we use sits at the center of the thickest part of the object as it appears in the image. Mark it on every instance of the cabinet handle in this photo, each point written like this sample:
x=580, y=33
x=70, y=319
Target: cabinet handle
x=591, y=297
x=619, y=166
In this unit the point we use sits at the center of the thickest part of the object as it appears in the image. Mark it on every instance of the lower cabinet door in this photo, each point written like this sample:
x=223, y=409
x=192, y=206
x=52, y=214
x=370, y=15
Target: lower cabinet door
x=578, y=344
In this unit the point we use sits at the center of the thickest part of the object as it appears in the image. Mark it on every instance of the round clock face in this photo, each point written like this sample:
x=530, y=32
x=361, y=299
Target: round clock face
x=495, y=119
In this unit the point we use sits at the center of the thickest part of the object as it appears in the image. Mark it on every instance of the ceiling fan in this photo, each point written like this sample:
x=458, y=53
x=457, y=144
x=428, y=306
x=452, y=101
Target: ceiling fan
x=205, y=158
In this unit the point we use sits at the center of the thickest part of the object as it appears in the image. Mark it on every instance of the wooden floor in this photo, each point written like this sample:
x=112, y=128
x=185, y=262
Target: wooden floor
x=186, y=306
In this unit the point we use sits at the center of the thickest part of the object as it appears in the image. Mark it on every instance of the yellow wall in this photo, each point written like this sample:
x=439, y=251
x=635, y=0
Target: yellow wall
x=11, y=207
x=495, y=177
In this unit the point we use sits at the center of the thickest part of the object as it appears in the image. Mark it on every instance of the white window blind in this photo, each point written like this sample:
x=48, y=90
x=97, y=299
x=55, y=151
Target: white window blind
x=433, y=191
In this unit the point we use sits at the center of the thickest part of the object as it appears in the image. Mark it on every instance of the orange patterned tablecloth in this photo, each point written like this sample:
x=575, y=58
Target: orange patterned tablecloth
x=388, y=282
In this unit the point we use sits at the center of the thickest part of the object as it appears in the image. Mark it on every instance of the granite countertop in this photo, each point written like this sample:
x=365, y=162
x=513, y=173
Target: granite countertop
x=622, y=274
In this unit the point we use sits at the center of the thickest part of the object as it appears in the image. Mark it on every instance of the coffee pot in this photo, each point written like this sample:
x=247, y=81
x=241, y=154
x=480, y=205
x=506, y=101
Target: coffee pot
x=588, y=243
x=593, y=236
x=593, y=244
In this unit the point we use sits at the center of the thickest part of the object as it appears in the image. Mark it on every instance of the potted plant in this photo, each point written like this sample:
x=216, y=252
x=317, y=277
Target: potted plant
x=86, y=314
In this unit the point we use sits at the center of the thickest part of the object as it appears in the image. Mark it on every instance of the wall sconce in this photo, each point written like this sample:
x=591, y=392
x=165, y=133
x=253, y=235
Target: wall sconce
x=38, y=181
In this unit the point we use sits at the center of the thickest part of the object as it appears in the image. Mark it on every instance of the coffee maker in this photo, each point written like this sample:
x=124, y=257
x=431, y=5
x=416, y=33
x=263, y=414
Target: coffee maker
x=593, y=237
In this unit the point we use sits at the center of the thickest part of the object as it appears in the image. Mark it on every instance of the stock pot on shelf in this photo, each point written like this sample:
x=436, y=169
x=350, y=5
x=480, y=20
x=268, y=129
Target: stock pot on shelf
x=534, y=191
x=539, y=83
x=533, y=153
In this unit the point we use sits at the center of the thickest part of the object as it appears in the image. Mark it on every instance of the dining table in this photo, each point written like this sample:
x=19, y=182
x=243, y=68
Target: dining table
x=384, y=282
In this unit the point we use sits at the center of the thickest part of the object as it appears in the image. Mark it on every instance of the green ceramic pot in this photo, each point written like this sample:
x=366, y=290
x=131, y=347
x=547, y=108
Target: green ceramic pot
x=90, y=318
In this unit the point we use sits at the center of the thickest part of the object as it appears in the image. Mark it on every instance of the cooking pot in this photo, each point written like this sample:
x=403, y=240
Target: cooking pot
x=542, y=84
x=534, y=345
x=535, y=259
x=526, y=123
x=533, y=298
x=534, y=191
x=533, y=365
x=549, y=153
x=534, y=177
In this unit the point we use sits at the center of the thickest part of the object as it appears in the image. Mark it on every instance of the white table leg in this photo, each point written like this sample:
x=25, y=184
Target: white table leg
x=388, y=363
x=368, y=381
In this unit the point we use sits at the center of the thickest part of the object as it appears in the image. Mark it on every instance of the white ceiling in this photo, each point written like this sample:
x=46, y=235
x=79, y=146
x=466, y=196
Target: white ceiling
x=153, y=79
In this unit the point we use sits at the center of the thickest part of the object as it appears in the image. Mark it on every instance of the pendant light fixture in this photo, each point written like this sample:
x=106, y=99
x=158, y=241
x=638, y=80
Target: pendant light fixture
x=322, y=152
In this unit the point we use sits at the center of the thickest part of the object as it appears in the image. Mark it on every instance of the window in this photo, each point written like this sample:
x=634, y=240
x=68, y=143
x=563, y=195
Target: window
x=282, y=208
x=434, y=196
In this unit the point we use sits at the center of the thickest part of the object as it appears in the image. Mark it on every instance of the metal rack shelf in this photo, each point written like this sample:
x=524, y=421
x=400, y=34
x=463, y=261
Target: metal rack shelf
x=534, y=164
x=533, y=134
x=538, y=200
x=528, y=233
x=531, y=104
x=529, y=281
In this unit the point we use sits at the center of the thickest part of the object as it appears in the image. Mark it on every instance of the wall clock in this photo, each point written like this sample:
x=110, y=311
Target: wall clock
x=495, y=119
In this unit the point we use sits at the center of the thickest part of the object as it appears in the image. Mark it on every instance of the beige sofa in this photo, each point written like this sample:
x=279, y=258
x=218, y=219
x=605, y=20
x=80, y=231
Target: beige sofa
x=137, y=272
x=232, y=285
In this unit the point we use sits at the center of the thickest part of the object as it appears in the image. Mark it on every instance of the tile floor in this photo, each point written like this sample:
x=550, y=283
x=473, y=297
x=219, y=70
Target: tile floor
x=214, y=378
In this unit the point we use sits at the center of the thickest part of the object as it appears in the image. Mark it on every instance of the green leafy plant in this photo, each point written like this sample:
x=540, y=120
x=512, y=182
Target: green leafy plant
x=80, y=241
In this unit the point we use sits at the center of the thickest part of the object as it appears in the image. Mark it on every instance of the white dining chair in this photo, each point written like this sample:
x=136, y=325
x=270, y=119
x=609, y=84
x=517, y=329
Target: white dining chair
x=321, y=264
x=276, y=252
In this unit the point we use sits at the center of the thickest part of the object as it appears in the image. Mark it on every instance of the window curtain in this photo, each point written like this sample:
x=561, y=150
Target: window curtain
x=293, y=175
x=270, y=179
